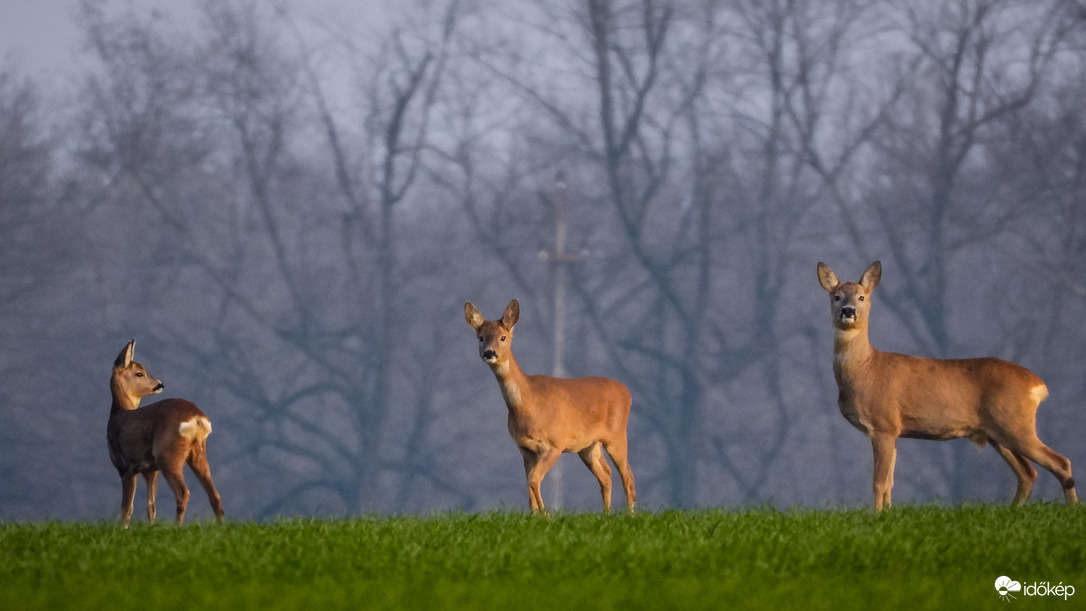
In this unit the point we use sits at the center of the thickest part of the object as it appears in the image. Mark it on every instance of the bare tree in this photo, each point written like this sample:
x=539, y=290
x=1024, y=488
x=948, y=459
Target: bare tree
x=977, y=65
x=281, y=248
x=690, y=185
x=25, y=166
x=26, y=268
x=620, y=51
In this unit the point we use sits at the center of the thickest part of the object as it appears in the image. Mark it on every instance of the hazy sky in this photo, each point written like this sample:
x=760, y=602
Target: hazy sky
x=41, y=37
x=38, y=34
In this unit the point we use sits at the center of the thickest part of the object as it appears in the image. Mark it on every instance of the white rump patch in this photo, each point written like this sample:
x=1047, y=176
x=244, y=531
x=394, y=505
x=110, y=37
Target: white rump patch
x=1039, y=393
x=197, y=427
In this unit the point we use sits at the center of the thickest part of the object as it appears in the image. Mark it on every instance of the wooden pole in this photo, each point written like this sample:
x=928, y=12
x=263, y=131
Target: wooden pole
x=559, y=258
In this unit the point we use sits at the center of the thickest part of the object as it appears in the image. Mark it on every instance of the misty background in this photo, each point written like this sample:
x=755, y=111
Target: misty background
x=287, y=208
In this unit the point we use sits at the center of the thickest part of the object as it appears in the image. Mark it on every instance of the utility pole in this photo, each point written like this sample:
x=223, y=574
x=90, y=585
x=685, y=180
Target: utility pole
x=559, y=259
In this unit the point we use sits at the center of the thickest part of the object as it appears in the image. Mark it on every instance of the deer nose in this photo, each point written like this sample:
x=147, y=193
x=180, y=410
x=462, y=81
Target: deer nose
x=489, y=354
x=848, y=311
x=158, y=387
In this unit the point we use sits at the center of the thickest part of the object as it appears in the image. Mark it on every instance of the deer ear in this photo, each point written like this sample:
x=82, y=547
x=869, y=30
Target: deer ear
x=124, y=359
x=511, y=314
x=872, y=276
x=472, y=315
x=827, y=278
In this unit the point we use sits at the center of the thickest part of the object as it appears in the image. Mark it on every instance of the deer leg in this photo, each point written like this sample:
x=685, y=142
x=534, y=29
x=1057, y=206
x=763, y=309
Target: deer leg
x=617, y=450
x=530, y=459
x=536, y=465
x=176, y=480
x=592, y=456
x=198, y=463
x=1055, y=463
x=1024, y=471
x=885, y=453
x=128, y=496
x=151, y=477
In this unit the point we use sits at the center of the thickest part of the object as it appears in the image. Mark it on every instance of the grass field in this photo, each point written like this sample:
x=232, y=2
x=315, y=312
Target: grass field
x=909, y=558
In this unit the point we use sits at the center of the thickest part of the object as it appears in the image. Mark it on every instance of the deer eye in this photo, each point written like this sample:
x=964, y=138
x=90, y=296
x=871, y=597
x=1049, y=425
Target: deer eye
x=503, y=338
x=480, y=339
x=837, y=298
x=139, y=374
x=861, y=297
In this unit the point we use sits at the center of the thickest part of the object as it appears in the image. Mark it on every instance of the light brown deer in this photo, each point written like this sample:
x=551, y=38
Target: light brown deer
x=549, y=416
x=161, y=436
x=887, y=395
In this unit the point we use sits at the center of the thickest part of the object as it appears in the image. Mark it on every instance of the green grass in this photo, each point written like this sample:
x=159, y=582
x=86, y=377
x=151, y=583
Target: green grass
x=909, y=558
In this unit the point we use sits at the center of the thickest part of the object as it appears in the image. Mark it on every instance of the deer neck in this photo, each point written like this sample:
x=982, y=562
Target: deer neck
x=121, y=401
x=851, y=350
x=512, y=382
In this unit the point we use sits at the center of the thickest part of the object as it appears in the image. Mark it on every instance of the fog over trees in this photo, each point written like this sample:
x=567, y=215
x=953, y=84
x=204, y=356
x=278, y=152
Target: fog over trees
x=289, y=213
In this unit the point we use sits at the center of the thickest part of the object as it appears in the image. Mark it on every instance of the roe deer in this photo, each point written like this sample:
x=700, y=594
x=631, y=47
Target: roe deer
x=161, y=436
x=887, y=395
x=549, y=416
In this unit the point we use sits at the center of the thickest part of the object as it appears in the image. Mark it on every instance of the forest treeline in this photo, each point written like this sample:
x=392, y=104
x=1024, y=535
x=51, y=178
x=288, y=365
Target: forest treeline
x=288, y=214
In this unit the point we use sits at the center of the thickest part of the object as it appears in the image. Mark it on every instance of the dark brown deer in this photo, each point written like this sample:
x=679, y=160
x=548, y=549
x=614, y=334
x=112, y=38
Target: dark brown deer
x=162, y=436
x=887, y=395
x=549, y=416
